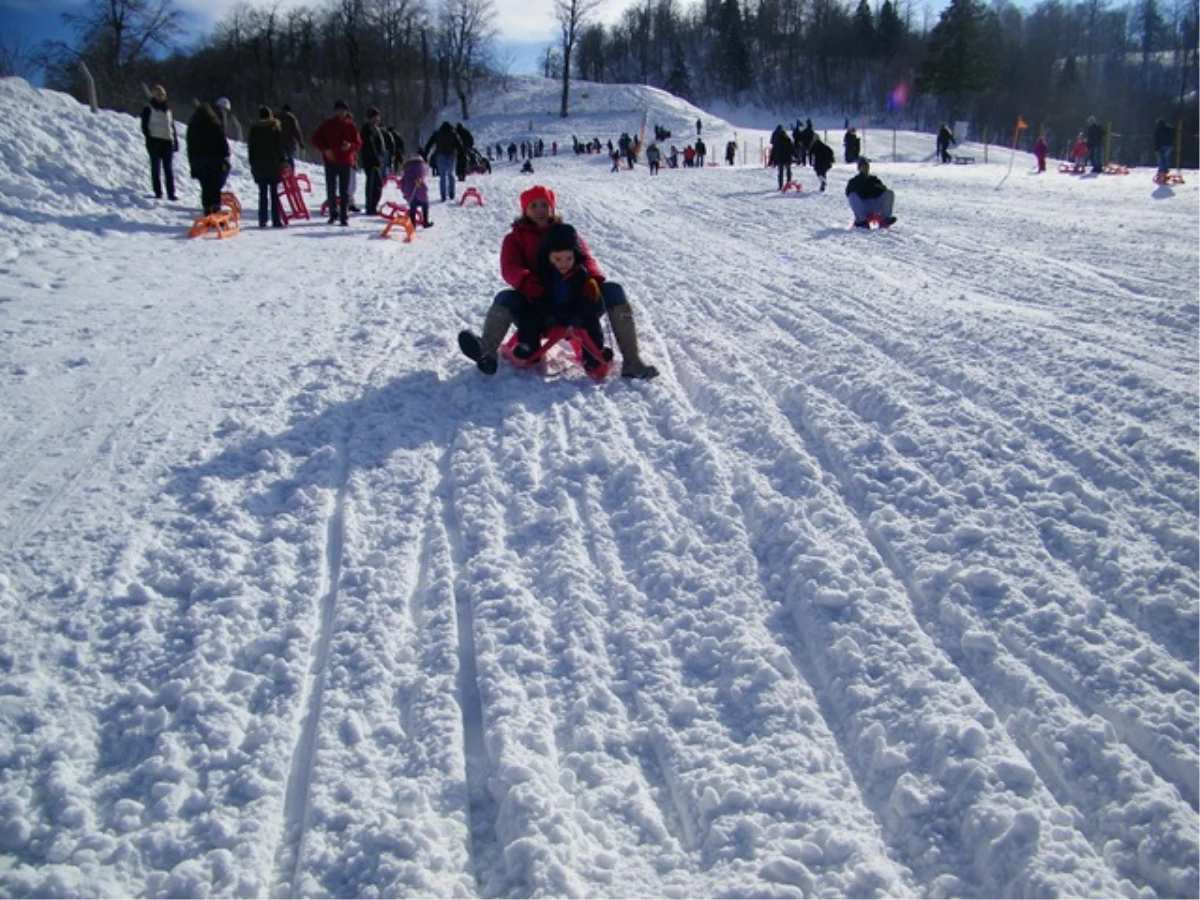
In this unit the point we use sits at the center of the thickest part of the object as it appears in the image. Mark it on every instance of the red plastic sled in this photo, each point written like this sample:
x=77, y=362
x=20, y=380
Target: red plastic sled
x=576, y=338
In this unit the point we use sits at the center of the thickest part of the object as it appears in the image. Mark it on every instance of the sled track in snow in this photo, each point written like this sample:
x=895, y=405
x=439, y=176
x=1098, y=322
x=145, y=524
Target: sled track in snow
x=1060, y=719
x=1063, y=705
x=481, y=813
x=290, y=853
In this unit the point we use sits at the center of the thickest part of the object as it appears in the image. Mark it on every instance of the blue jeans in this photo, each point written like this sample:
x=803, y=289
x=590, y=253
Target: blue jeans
x=445, y=166
x=1096, y=156
x=875, y=206
x=1164, y=159
x=515, y=302
x=268, y=199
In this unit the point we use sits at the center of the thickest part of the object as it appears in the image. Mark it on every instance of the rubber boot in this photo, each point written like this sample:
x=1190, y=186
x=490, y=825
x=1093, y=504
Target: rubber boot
x=625, y=333
x=483, y=349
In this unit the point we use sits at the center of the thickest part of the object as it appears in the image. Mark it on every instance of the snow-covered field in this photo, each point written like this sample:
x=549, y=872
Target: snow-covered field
x=887, y=586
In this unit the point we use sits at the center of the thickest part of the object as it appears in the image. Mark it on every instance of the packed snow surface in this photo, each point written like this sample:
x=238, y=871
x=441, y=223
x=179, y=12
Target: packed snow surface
x=888, y=585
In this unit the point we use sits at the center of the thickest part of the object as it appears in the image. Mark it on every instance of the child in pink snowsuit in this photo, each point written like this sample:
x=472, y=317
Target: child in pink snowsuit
x=412, y=185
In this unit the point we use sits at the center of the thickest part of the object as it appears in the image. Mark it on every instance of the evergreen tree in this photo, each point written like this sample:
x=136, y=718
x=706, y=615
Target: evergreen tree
x=678, y=82
x=865, y=38
x=889, y=31
x=959, y=59
x=732, y=55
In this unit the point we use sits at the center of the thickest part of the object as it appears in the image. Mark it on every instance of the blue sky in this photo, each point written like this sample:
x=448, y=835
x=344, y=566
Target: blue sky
x=526, y=26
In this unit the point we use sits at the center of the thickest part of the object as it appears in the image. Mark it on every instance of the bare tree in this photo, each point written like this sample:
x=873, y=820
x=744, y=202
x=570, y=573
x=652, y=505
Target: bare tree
x=15, y=57
x=117, y=35
x=572, y=15
x=466, y=29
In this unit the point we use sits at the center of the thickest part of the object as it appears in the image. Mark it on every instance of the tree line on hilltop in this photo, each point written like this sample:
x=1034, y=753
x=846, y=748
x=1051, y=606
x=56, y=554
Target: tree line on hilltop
x=1052, y=65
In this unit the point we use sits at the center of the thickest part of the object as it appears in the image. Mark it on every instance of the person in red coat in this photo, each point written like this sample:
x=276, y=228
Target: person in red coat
x=338, y=141
x=519, y=268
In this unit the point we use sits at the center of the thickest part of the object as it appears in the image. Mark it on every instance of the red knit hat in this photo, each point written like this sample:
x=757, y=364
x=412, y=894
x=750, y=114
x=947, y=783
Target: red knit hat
x=537, y=192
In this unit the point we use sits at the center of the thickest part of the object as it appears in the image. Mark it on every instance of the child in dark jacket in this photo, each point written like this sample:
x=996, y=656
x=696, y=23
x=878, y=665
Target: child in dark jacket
x=572, y=297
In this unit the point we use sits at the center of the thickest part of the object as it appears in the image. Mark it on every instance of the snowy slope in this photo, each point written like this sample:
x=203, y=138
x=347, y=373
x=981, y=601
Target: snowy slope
x=887, y=586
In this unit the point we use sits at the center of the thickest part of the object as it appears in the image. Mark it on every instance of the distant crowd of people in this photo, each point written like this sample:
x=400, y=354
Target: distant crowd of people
x=552, y=276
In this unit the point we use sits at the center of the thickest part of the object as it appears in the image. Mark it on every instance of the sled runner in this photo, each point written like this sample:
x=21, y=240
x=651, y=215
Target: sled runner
x=289, y=189
x=222, y=224
x=397, y=215
x=791, y=186
x=578, y=341
x=875, y=222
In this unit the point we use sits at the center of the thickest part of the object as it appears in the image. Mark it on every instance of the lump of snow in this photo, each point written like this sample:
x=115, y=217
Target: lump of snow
x=782, y=870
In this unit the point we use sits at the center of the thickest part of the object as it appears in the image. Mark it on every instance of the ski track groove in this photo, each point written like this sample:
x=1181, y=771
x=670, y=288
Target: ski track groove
x=289, y=852
x=709, y=469
x=481, y=814
x=1098, y=835
x=1081, y=701
x=1140, y=745
x=805, y=652
x=289, y=855
x=622, y=644
x=1035, y=432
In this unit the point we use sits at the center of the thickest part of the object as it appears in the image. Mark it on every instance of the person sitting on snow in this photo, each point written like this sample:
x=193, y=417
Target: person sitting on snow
x=869, y=197
x=571, y=297
x=518, y=266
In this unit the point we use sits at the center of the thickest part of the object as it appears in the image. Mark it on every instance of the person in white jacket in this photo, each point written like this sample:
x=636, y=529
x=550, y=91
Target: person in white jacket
x=158, y=127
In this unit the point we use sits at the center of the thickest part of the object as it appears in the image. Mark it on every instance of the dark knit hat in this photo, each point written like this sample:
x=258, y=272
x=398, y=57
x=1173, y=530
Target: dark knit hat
x=560, y=237
x=264, y=112
x=340, y=104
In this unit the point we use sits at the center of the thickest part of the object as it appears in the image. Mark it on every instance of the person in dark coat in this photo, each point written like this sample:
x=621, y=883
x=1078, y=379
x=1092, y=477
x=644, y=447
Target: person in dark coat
x=208, y=156
x=782, y=150
x=446, y=147
x=1095, y=144
x=293, y=136
x=397, y=149
x=467, y=140
x=265, y=148
x=1164, y=146
x=945, y=137
x=373, y=158
x=822, y=157
x=158, y=128
x=852, y=145
x=338, y=141
x=869, y=197
x=806, y=138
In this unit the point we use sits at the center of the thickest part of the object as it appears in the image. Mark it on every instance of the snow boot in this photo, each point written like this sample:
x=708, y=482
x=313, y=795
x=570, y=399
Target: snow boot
x=625, y=333
x=483, y=349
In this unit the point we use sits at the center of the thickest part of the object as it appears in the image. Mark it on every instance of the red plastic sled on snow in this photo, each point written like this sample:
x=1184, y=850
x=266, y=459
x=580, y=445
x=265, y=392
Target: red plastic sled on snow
x=578, y=341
